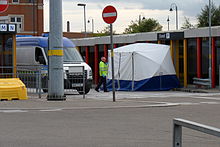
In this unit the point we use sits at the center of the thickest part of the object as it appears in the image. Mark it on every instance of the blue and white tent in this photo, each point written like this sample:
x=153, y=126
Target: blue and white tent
x=142, y=67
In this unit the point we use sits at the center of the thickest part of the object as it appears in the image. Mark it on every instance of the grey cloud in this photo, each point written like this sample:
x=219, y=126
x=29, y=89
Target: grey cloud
x=189, y=7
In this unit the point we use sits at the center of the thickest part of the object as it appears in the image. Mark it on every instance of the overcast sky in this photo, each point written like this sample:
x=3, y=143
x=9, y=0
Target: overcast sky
x=128, y=10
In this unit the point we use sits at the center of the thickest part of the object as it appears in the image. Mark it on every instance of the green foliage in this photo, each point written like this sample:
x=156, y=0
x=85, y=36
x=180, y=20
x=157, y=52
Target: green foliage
x=203, y=17
x=187, y=24
x=104, y=32
x=146, y=25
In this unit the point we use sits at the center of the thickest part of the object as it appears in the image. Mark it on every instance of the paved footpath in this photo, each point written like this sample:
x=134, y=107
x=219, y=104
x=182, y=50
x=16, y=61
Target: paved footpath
x=136, y=119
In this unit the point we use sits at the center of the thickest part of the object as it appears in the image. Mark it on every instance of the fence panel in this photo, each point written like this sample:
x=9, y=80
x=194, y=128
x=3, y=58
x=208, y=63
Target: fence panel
x=36, y=80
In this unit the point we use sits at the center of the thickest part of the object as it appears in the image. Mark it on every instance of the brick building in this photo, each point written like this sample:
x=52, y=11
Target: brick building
x=27, y=14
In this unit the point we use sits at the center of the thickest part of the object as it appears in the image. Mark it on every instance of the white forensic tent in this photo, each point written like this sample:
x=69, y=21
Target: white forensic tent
x=142, y=67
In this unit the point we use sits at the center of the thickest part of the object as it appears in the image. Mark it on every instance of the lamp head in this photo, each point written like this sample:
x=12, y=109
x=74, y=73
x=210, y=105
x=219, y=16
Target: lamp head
x=81, y=5
x=171, y=9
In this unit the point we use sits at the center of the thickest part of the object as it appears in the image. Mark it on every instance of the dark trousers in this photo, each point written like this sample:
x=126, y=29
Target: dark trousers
x=102, y=81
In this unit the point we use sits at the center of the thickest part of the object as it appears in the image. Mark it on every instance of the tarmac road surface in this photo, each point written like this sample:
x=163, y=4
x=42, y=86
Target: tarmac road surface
x=136, y=119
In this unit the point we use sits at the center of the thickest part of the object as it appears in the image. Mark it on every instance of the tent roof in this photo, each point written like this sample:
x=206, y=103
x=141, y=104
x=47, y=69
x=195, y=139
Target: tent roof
x=154, y=52
x=142, y=47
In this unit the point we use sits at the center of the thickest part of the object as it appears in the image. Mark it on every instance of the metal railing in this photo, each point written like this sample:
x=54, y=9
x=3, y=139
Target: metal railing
x=179, y=123
x=35, y=79
x=202, y=82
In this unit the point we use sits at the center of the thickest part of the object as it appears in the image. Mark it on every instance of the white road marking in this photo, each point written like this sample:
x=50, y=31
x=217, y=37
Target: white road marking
x=12, y=111
x=51, y=110
x=207, y=98
x=187, y=103
x=209, y=102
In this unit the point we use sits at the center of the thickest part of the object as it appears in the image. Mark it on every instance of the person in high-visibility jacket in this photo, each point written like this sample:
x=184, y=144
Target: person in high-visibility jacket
x=103, y=71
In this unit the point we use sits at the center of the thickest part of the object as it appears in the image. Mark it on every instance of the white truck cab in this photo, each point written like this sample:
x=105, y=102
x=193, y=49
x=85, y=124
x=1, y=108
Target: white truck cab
x=33, y=51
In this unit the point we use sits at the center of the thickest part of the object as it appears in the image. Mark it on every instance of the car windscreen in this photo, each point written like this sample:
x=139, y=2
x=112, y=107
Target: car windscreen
x=71, y=55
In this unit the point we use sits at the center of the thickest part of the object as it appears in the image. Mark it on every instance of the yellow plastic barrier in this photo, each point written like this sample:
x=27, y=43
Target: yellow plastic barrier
x=12, y=89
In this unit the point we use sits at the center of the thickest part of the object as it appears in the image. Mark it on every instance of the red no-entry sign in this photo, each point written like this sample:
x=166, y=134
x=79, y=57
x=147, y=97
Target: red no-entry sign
x=3, y=5
x=109, y=14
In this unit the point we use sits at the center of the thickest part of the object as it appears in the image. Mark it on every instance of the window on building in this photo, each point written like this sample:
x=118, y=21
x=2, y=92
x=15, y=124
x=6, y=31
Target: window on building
x=191, y=60
x=15, y=1
x=6, y=55
x=32, y=1
x=205, y=57
x=12, y=19
x=217, y=45
x=17, y=20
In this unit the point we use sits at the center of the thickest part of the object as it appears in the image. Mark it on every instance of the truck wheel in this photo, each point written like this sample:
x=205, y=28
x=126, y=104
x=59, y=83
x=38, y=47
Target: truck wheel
x=45, y=90
x=67, y=84
x=80, y=89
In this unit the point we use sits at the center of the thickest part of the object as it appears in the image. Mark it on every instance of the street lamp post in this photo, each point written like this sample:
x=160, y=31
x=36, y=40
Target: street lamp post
x=172, y=7
x=84, y=7
x=140, y=19
x=168, y=23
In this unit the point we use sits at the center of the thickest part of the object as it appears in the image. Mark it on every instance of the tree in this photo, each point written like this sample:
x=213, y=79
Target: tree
x=146, y=25
x=187, y=24
x=203, y=17
x=104, y=32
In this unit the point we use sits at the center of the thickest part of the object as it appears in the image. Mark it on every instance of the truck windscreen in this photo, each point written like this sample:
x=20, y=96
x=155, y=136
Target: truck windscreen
x=71, y=55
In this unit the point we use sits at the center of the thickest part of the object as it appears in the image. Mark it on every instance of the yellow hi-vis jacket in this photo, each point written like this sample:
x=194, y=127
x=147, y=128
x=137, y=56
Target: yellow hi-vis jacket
x=103, y=68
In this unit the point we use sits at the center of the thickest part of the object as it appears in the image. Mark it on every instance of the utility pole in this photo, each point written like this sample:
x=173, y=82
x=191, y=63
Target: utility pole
x=55, y=52
x=174, y=6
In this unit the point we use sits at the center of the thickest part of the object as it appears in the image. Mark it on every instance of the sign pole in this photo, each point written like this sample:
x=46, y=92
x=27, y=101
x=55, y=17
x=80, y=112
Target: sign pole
x=109, y=15
x=112, y=60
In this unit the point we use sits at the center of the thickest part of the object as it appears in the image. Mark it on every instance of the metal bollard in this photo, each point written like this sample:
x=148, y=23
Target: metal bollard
x=39, y=81
x=36, y=80
x=84, y=86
